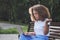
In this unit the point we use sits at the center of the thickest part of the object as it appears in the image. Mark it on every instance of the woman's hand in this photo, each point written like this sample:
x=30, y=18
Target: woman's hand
x=29, y=33
x=48, y=20
x=26, y=33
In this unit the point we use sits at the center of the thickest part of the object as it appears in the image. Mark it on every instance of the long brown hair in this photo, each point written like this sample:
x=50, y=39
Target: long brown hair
x=42, y=11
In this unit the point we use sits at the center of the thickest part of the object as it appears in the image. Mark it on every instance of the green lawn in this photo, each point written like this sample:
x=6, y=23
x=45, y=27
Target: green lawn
x=9, y=31
x=13, y=30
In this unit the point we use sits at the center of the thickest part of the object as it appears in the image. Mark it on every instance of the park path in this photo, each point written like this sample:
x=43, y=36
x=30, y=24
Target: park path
x=10, y=36
x=8, y=25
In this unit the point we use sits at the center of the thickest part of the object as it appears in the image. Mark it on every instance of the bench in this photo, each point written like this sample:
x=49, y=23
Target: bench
x=54, y=30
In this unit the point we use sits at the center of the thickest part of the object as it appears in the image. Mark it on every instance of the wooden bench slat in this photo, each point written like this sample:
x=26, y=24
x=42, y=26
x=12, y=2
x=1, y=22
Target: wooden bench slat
x=55, y=27
x=51, y=39
x=52, y=30
x=57, y=37
x=32, y=27
x=55, y=33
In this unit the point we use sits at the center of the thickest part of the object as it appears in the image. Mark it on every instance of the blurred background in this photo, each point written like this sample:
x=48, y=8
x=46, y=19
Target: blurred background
x=16, y=11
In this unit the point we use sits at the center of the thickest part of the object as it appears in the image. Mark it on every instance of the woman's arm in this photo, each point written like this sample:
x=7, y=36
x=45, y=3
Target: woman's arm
x=31, y=16
x=46, y=27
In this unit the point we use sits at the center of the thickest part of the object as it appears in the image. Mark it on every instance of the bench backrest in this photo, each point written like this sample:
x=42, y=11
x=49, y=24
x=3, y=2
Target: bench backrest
x=54, y=31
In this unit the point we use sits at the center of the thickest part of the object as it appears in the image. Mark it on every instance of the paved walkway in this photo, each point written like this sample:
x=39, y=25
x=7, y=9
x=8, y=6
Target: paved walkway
x=7, y=26
x=8, y=36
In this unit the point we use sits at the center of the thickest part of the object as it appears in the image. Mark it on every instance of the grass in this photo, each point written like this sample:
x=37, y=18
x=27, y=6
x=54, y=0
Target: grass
x=25, y=28
x=9, y=31
x=13, y=30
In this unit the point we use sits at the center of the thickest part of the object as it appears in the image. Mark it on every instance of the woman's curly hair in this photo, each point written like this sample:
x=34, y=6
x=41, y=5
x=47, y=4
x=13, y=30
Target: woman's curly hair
x=41, y=9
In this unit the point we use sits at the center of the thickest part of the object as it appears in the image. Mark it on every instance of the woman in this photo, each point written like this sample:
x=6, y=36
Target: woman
x=41, y=17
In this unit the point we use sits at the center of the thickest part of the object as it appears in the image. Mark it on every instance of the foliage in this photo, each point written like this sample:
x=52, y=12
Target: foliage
x=16, y=11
